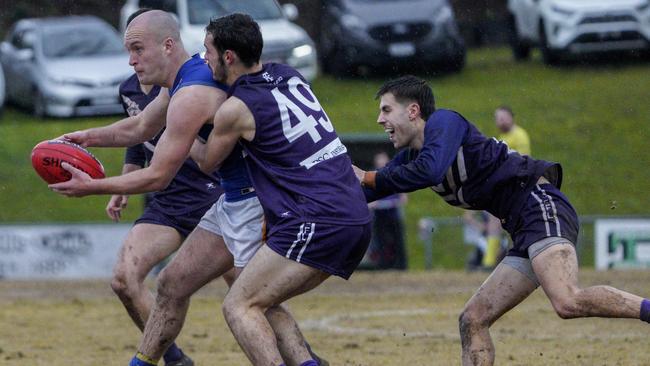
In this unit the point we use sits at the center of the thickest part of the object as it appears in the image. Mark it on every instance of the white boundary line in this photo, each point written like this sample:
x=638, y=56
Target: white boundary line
x=329, y=324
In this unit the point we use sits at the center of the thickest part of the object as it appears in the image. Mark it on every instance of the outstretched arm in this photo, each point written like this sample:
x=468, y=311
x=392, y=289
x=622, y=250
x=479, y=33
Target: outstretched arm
x=442, y=139
x=367, y=178
x=128, y=131
x=190, y=108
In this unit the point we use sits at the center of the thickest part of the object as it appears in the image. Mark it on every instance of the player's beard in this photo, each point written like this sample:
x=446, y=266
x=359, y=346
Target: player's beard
x=221, y=72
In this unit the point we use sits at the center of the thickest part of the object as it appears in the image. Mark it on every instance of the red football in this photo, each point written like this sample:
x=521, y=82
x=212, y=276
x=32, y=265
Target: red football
x=47, y=157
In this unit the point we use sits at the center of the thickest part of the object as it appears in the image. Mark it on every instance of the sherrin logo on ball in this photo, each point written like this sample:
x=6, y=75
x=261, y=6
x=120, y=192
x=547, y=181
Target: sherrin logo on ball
x=47, y=157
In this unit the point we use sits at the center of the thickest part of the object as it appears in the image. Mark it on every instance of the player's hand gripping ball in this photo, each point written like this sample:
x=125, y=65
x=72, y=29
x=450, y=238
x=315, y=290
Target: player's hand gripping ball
x=47, y=157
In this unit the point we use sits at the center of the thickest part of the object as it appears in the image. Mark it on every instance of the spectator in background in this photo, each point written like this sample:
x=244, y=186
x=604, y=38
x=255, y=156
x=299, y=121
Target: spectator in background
x=387, y=250
x=478, y=226
x=514, y=136
x=517, y=139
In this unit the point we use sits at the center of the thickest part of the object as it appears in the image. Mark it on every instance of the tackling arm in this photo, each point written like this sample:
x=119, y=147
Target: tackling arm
x=442, y=139
x=231, y=122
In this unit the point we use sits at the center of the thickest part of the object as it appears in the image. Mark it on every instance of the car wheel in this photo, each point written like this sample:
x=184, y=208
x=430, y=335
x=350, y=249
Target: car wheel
x=324, y=51
x=39, y=104
x=457, y=62
x=549, y=55
x=338, y=64
x=520, y=49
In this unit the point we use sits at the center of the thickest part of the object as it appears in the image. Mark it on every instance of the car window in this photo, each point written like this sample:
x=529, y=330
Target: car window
x=201, y=11
x=75, y=40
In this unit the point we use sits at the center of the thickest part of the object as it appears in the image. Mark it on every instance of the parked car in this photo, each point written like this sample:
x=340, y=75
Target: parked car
x=571, y=27
x=381, y=33
x=64, y=66
x=284, y=41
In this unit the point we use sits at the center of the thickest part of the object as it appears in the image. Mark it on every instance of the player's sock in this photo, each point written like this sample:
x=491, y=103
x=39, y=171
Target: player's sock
x=491, y=252
x=645, y=310
x=142, y=360
x=173, y=354
x=309, y=363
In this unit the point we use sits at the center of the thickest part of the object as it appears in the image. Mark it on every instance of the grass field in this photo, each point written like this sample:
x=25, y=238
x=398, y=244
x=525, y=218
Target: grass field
x=375, y=319
x=592, y=119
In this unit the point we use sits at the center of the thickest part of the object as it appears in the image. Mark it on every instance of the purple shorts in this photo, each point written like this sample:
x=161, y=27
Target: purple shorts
x=184, y=224
x=334, y=249
x=546, y=213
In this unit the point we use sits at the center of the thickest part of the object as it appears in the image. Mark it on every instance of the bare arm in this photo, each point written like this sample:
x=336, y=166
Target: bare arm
x=128, y=131
x=190, y=108
x=231, y=122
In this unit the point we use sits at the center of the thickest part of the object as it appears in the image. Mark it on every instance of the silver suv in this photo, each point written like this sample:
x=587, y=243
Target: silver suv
x=562, y=27
x=284, y=41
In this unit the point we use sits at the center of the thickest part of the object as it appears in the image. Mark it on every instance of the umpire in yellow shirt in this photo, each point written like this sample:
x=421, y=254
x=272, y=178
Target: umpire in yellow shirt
x=513, y=135
x=517, y=139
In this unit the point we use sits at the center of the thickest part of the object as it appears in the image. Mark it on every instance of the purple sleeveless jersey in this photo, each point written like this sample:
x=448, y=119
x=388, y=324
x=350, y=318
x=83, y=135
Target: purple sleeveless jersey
x=299, y=167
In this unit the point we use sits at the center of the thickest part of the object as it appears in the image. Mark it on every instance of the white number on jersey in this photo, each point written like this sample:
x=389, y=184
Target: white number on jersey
x=306, y=123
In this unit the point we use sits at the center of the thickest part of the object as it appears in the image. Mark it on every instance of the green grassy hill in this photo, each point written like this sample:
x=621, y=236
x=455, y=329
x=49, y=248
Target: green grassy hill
x=594, y=120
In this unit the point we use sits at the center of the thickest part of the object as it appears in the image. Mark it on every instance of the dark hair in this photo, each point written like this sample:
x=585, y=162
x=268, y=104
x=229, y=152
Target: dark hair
x=411, y=89
x=239, y=33
x=506, y=108
x=135, y=14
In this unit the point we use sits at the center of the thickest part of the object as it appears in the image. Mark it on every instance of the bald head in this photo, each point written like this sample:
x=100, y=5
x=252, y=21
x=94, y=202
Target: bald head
x=155, y=48
x=156, y=23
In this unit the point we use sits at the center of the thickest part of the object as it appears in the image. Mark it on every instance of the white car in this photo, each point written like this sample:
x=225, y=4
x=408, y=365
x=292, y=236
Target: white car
x=562, y=27
x=284, y=41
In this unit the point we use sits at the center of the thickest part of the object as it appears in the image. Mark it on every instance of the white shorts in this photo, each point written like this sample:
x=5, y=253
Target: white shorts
x=239, y=223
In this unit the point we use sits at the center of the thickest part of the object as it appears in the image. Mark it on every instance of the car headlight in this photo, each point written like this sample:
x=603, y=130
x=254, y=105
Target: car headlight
x=351, y=21
x=561, y=11
x=443, y=14
x=301, y=56
x=302, y=51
